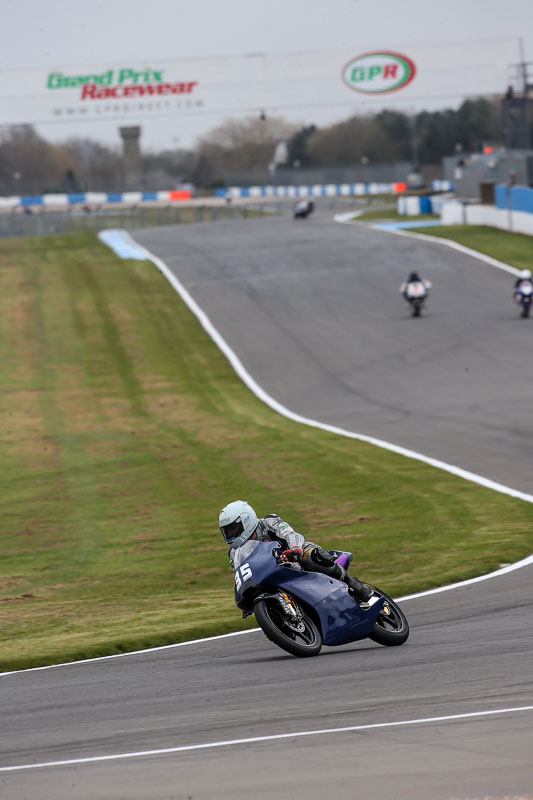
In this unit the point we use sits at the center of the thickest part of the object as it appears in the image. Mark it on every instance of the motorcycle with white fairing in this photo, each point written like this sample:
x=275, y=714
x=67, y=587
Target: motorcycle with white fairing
x=524, y=297
x=416, y=293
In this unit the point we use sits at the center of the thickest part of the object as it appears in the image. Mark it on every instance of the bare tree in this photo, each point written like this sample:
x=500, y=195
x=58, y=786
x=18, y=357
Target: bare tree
x=99, y=167
x=240, y=145
x=30, y=164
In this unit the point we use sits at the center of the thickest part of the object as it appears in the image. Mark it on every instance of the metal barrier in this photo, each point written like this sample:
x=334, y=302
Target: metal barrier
x=43, y=223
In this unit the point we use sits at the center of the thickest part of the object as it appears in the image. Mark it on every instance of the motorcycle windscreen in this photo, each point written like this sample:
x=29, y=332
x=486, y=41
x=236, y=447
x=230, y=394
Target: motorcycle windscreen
x=244, y=552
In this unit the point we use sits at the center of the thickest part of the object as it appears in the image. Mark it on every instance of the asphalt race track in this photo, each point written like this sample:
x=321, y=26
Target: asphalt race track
x=313, y=311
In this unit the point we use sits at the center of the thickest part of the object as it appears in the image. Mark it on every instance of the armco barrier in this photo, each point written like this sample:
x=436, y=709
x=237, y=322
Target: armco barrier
x=57, y=201
x=92, y=198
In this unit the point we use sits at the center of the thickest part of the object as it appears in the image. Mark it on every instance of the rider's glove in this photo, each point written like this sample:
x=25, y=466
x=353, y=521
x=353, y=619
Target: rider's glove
x=294, y=554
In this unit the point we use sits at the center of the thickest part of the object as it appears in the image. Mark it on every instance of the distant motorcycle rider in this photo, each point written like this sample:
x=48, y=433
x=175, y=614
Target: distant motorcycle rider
x=523, y=280
x=414, y=277
x=303, y=208
x=239, y=523
x=523, y=292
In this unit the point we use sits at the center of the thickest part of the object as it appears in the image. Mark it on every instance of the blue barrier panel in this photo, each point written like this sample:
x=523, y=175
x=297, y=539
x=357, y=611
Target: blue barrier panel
x=31, y=200
x=77, y=198
x=425, y=205
x=522, y=199
x=149, y=196
x=221, y=192
x=517, y=198
x=114, y=198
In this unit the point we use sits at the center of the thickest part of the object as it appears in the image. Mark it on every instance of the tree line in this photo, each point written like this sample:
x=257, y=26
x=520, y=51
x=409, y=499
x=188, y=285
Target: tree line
x=29, y=164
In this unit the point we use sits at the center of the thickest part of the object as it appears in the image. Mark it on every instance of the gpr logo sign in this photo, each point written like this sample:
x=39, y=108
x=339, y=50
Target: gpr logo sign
x=379, y=72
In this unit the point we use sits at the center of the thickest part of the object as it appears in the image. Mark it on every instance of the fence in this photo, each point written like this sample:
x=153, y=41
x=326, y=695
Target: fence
x=312, y=176
x=42, y=223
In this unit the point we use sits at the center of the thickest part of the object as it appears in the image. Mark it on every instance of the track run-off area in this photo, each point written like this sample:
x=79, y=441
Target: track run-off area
x=312, y=312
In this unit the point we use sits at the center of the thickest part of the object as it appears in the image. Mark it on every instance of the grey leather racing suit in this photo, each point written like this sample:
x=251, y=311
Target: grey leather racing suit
x=273, y=528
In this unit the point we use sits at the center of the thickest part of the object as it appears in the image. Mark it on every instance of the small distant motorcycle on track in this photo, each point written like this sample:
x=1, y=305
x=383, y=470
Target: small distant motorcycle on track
x=303, y=209
x=301, y=610
x=416, y=294
x=524, y=297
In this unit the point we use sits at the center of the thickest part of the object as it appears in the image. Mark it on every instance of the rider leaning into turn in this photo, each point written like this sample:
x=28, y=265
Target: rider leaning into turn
x=239, y=523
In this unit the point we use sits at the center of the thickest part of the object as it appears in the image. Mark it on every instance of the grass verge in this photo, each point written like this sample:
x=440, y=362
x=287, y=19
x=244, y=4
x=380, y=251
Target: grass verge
x=515, y=249
x=392, y=214
x=123, y=432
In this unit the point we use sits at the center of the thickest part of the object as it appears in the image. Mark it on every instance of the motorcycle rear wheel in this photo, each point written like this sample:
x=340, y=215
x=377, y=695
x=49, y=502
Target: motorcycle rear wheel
x=390, y=629
x=302, y=643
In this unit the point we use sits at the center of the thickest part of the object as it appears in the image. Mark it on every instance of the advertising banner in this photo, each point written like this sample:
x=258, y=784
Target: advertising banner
x=417, y=76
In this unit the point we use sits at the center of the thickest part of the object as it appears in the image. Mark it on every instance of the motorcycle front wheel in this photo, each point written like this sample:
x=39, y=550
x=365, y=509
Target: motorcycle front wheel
x=391, y=627
x=300, y=639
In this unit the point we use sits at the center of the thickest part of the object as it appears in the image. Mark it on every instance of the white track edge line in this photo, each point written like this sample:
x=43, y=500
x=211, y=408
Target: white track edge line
x=425, y=237
x=262, y=395
x=268, y=738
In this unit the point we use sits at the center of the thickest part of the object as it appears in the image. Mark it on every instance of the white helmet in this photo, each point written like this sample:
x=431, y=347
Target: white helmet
x=237, y=521
x=525, y=274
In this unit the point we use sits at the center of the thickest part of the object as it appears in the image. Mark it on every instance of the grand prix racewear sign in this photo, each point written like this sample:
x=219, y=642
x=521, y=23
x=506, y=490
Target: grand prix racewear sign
x=293, y=84
x=119, y=84
x=112, y=92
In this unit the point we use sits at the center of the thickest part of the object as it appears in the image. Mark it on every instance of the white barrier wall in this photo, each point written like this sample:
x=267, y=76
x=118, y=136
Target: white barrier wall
x=413, y=206
x=410, y=206
x=456, y=213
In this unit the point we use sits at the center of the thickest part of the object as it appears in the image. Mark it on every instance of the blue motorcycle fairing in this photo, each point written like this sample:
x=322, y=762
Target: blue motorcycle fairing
x=342, y=620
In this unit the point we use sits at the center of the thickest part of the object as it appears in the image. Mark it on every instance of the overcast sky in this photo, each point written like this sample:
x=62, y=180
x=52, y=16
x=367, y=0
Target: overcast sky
x=66, y=33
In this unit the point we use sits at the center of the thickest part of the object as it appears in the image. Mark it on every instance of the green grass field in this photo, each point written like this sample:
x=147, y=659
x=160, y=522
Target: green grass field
x=392, y=214
x=515, y=249
x=124, y=431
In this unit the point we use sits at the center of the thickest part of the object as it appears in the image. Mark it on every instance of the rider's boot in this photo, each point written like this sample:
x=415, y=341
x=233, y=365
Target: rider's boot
x=357, y=589
x=319, y=560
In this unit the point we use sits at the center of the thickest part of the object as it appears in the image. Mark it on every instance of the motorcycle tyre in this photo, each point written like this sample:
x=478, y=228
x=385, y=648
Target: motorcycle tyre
x=387, y=637
x=273, y=632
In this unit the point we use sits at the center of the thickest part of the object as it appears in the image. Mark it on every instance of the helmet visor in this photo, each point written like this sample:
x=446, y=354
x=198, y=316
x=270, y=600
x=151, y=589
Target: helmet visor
x=232, y=530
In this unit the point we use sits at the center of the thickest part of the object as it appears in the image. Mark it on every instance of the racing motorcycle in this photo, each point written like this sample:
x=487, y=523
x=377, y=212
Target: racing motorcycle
x=524, y=297
x=303, y=208
x=300, y=611
x=415, y=294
